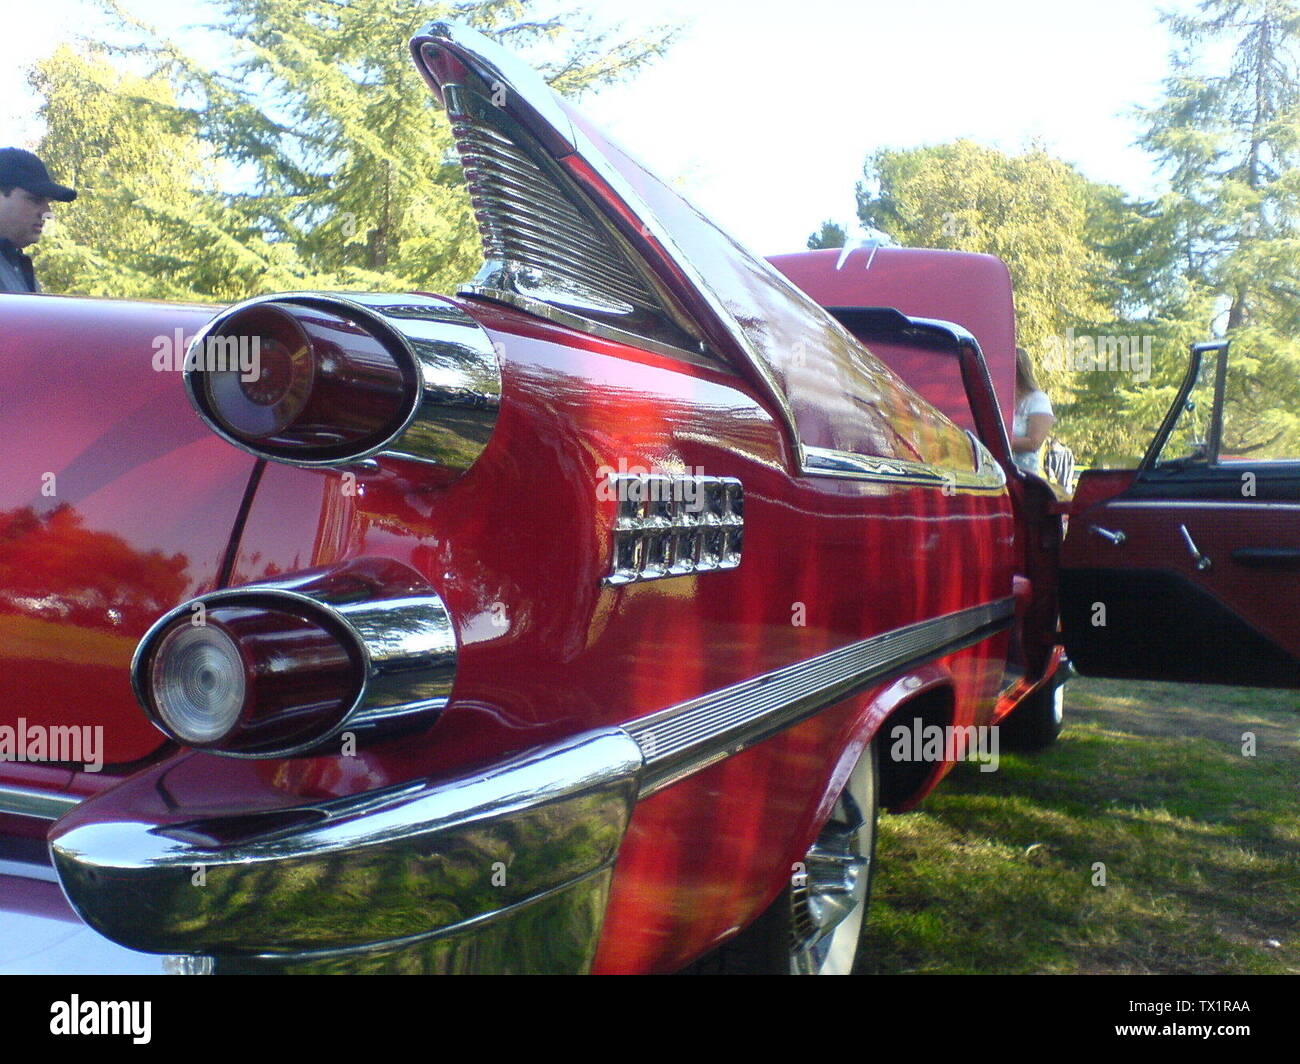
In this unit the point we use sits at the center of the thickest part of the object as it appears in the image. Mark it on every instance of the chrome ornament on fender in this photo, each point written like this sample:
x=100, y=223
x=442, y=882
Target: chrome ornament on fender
x=674, y=525
x=546, y=249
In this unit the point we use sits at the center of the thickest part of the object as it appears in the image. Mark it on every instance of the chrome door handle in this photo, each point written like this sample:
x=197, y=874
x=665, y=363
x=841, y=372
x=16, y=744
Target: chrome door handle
x=1117, y=538
x=1202, y=562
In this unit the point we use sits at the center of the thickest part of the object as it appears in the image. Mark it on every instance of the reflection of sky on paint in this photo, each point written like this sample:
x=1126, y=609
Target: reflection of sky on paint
x=765, y=111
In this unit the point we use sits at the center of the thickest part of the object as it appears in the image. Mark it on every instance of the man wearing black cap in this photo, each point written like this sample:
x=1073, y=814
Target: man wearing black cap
x=25, y=194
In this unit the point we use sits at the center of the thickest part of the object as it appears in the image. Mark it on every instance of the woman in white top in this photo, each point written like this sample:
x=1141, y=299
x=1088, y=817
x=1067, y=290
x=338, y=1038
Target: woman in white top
x=1033, y=418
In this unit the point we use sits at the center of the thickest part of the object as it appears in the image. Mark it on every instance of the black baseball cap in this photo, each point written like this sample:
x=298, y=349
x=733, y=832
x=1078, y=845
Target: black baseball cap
x=22, y=169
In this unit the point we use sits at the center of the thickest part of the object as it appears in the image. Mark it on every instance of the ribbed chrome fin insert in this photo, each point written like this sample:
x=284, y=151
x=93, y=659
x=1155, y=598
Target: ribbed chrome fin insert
x=546, y=247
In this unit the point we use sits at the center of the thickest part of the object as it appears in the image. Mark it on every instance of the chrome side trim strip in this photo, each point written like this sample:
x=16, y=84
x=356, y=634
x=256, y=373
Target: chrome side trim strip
x=368, y=871
x=1198, y=504
x=24, y=801
x=824, y=462
x=691, y=736
x=24, y=870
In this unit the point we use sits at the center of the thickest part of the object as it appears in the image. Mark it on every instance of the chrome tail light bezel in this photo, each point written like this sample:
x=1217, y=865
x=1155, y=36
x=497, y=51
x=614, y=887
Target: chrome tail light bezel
x=450, y=363
x=403, y=637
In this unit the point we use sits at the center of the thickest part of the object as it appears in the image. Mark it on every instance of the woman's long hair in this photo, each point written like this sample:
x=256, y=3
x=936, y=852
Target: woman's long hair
x=1026, y=382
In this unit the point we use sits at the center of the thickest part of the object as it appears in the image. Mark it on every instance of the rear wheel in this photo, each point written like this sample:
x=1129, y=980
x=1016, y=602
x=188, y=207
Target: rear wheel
x=1036, y=722
x=816, y=924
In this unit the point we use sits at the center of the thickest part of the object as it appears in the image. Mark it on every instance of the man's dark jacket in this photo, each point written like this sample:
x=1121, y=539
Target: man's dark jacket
x=16, y=273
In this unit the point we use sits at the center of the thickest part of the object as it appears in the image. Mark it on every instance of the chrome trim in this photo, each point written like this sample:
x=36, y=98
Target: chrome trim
x=547, y=935
x=1117, y=539
x=497, y=214
x=27, y=870
x=407, y=643
x=688, y=737
x=590, y=326
x=824, y=462
x=512, y=73
x=42, y=805
x=1202, y=561
x=543, y=238
x=454, y=410
x=1196, y=352
x=522, y=80
x=1198, y=504
x=675, y=525
x=828, y=902
x=535, y=241
x=370, y=877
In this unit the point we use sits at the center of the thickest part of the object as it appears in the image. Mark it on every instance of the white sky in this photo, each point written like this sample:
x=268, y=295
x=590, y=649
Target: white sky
x=766, y=110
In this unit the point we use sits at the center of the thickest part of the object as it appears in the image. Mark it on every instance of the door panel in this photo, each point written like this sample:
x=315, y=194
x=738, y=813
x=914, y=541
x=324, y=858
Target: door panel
x=1190, y=569
x=1143, y=608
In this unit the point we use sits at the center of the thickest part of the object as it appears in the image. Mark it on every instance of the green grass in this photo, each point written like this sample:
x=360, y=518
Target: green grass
x=1201, y=845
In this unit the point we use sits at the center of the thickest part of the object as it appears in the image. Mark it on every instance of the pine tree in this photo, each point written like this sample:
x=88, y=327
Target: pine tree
x=1230, y=144
x=830, y=235
x=349, y=163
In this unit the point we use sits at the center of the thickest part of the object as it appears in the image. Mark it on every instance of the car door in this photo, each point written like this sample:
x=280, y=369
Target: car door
x=1188, y=568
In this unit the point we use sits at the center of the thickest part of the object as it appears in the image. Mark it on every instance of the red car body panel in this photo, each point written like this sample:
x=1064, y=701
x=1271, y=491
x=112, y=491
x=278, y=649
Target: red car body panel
x=575, y=404
x=519, y=548
x=117, y=504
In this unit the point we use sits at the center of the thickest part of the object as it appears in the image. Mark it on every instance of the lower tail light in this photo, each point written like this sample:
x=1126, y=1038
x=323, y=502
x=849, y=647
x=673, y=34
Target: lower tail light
x=251, y=679
x=278, y=669
x=327, y=380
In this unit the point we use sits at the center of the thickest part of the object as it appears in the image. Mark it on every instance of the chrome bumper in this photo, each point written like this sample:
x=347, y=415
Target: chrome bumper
x=506, y=870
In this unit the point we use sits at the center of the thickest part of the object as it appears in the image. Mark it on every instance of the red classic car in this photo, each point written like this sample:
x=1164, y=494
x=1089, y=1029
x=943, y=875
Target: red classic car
x=563, y=625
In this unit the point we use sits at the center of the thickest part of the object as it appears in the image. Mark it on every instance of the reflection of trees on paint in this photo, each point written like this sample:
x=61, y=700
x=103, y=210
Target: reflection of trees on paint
x=53, y=567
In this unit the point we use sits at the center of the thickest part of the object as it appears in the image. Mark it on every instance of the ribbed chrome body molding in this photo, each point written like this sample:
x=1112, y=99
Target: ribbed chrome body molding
x=522, y=83
x=543, y=241
x=43, y=805
x=675, y=525
x=693, y=735
x=533, y=234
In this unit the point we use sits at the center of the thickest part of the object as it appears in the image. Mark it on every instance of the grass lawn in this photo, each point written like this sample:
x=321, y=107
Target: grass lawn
x=1200, y=845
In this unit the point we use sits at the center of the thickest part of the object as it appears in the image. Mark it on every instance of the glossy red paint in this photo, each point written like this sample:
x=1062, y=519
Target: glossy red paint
x=526, y=529
x=117, y=504
x=518, y=548
x=975, y=390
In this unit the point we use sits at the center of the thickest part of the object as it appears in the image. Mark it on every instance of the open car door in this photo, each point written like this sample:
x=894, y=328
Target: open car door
x=1188, y=568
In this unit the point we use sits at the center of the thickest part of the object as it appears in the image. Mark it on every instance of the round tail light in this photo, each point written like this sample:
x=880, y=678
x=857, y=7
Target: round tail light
x=300, y=383
x=325, y=379
x=282, y=668
x=249, y=680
